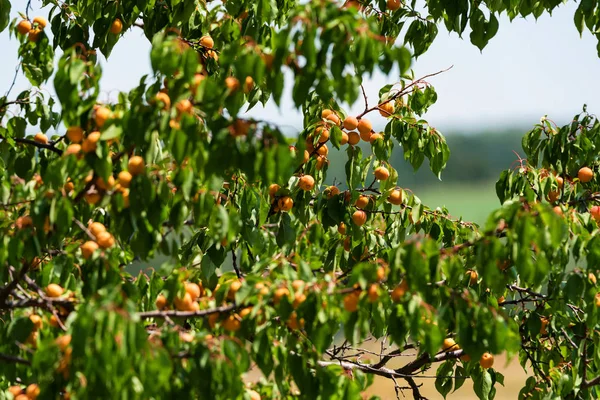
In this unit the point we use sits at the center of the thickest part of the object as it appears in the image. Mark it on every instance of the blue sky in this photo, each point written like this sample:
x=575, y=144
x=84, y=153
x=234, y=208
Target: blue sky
x=531, y=68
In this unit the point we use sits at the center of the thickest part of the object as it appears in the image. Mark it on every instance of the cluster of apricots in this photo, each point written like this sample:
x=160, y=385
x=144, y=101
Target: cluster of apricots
x=189, y=301
x=584, y=175
x=102, y=239
x=34, y=29
x=372, y=292
x=31, y=392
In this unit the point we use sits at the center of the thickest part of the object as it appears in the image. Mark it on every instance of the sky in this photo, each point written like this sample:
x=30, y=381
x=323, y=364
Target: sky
x=529, y=69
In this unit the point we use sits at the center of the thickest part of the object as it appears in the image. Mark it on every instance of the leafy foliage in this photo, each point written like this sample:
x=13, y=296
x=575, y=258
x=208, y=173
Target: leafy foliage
x=265, y=264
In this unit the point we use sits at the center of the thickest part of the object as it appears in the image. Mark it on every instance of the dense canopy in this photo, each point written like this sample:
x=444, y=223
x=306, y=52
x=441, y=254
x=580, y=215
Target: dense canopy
x=164, y=244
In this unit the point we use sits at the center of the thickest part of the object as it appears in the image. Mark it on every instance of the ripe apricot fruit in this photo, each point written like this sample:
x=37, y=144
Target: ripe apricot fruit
x=332, y=191
x=184, y=106
x=40, y=138
x=350, y=123
x=164, y=99
x=585, y=174
x=321, y=161
x=185, y=303
x=399, y=291
x=558, y=211
x=365, y=136
x=74, y=134
x=326, y=113
x=24, y=222
x=37, y=321
x=125, y=179
x=393, y=5
x=353, y=138
x=73, y=149
x=207, y=42
x=364, y=126
x=54, y=290
x=306, y=183
x=15, y=390
x=373, y=293
x=544, y=325
x=473, y=276
x=279, y=294
x=375, y=136
x=105, y=185
x=101, y=115
x=344, y=138
x=233, y=289
x=96, y=227
x=395, y=197
x=34, y=35
x=248, y=84
x=362, y=202
x=32, y=391
x=351, y=302
x=449, y=345
x=90, y=143
x=486, y=360
x=359, y=217
x=116, y=27
x=322, y=134
x=231, y=323
x=136, y=165
x=381, y=173
x=285, y=203
x=323, y=150
x=105, y=240
x=193, y=289
x=299, y=298
x=41, y=21
x=24, y=27
x=333, y=118
x=161, y=302
x=294, y=323
x=88, y=248
x=273, y=188
x=387, y=109
x=595, y=212
x=342, y=228
x=232, y=83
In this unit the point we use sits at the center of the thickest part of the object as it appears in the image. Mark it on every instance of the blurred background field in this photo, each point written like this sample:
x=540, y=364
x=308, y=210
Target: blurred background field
x=467, y=185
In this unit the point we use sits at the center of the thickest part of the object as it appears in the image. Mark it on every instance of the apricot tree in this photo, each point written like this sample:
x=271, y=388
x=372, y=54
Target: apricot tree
x=258, y=264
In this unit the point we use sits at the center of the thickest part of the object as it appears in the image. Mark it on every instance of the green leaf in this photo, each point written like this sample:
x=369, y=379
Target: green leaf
x=4, y=14
x=286, y=234
x=443, y=382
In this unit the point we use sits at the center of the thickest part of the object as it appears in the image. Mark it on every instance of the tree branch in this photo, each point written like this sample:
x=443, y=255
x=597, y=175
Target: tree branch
x=186, y=314
x=14, y=359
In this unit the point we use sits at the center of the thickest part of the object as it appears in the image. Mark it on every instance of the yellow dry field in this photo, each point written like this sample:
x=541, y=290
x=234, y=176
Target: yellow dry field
x=514, y=379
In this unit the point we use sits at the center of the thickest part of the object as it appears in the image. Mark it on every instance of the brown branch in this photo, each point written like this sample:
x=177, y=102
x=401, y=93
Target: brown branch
x=402, y=92
x=84, y=228
x=7, y=290
x=48, y=146
x=14, y=359
x=187, y=314
x=425, y=359
x=37, y=302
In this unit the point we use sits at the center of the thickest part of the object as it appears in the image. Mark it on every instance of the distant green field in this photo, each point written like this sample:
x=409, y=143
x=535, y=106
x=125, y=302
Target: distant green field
x=471, y=202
